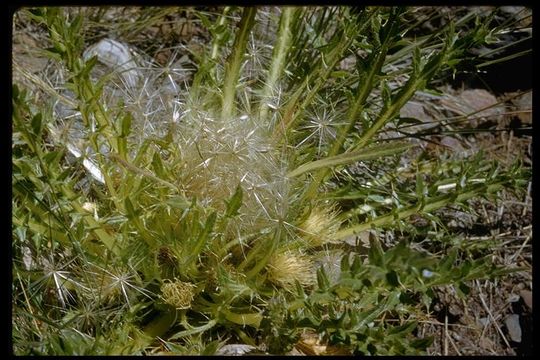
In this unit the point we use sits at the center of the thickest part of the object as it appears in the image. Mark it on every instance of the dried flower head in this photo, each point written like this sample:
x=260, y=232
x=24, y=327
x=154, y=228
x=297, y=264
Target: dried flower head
x=178, y=293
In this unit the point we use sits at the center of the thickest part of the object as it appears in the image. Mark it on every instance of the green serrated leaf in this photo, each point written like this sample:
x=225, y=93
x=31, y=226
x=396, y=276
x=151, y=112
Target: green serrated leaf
x=404, y=329
x=157, y=164
x=125, y=127
x=466, y=268
x=421, y=344
x=299, y=290
x=122, y=147
x=463, y=289
x=178, y=202
x=345, y=265
x=322, y=279
x=356, y=266
x=53, y=157
x=87, y=67
x=54, y=53
x=344, y=292
x=234, y=203
x=76, y=24
x=130, y=210
x=37, y=124
x=375, y=253
x=253, y=319
x=321, y=298
x=202, y=239
x=448, y=261
x=392, y=278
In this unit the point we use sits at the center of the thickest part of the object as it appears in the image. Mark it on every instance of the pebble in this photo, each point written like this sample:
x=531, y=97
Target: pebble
x=235, y=349
x=514, y=329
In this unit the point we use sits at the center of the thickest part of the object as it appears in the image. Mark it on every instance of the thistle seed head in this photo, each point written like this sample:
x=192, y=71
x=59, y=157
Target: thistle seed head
x=218, y=155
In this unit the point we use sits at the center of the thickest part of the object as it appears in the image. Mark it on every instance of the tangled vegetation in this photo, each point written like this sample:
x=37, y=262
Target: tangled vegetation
x=219, y=196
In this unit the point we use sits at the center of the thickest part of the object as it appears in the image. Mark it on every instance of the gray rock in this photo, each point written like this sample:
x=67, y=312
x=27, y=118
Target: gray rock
x=514, y=329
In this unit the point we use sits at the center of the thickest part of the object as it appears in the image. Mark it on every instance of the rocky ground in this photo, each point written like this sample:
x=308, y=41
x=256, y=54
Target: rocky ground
x=496, y=317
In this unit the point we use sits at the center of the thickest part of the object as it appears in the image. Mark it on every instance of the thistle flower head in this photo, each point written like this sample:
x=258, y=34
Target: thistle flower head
x=178, y=293
x=285, y=268
x=321, y=224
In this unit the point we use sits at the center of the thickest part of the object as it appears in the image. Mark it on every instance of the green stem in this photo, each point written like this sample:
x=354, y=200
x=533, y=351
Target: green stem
x=403, y=96
x=434, y=204
x=160, y=325
x=356, y=109
x=266, y=249
x=234, y=62
x=252, y=319
x=362, y=95
x=373, y=152
x=279, y=56
x=322, y=72
x=243, y=240
x=118, y=159
x=415, y=82
x=217, y=39
x=194, y=330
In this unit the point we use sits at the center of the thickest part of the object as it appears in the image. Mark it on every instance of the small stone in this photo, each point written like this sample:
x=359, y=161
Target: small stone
x=28, y=261
x=364, y=237
x=514, y=329
x=235, y=349
x=452, y=143
x=526, y=295
x=524, y=105
x=477, y=101
x=416, y=110
x=295, y=352
x=483, y=321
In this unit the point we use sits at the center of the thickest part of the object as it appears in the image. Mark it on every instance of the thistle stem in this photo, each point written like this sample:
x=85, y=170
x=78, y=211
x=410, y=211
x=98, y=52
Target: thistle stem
x=279, y=56
x=433, y=205
x=235, y=60
x=376, y=63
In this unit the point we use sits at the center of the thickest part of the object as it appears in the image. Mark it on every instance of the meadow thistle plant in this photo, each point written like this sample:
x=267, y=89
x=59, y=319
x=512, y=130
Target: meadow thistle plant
x=184, y=202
